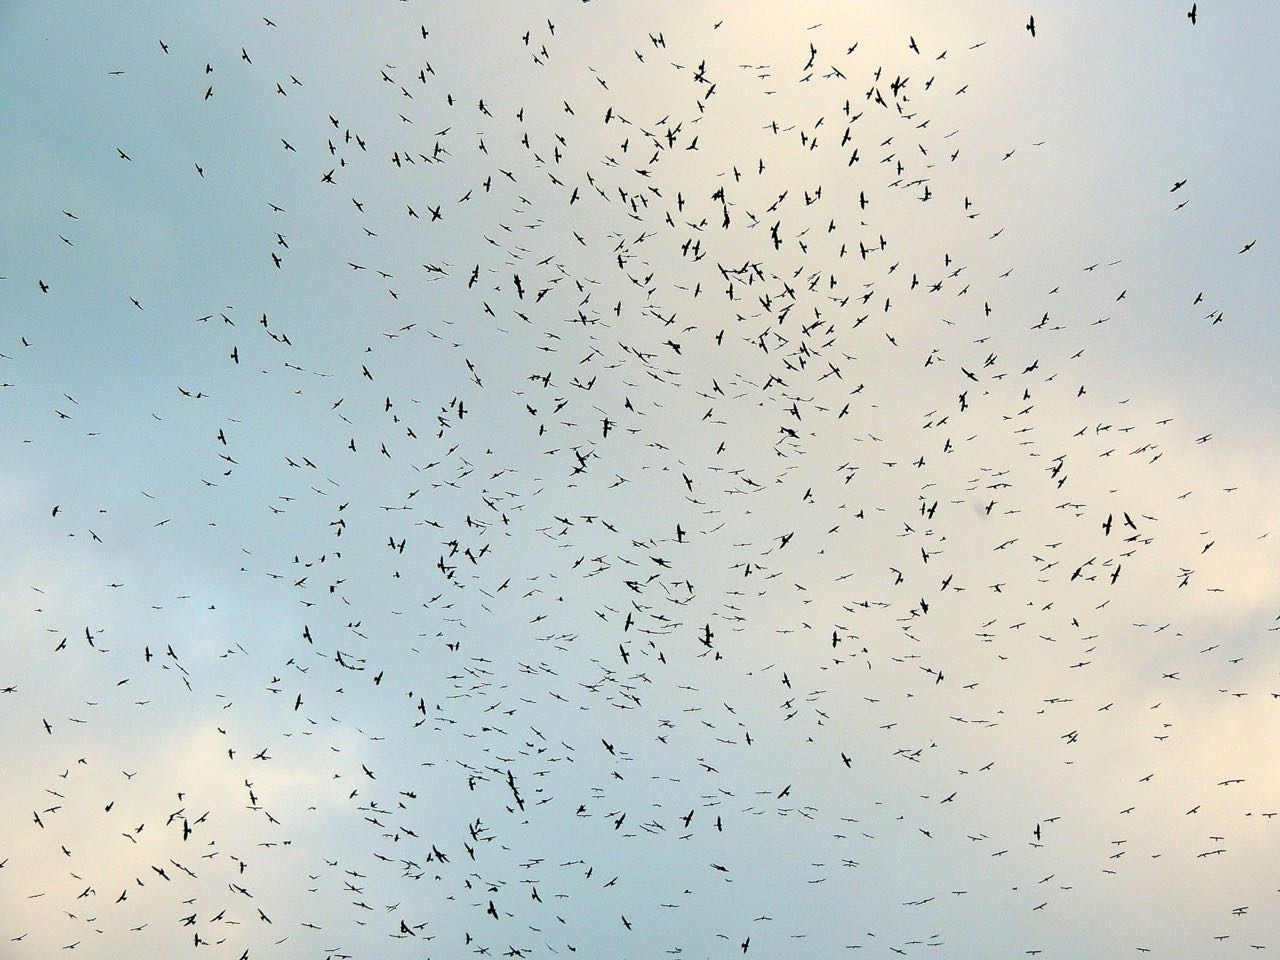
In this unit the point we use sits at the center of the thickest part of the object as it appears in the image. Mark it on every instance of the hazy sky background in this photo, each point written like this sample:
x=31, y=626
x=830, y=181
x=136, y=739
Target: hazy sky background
x=620, y=522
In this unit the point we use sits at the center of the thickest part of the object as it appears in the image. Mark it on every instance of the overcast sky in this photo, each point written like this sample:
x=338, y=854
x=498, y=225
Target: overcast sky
x=681, y=479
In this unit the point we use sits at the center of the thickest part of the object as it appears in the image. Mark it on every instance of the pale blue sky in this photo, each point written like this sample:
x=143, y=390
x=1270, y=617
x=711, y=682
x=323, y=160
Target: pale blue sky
x=435, y=530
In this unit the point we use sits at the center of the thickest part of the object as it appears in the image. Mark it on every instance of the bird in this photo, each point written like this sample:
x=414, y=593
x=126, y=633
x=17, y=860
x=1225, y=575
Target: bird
x=658, y=437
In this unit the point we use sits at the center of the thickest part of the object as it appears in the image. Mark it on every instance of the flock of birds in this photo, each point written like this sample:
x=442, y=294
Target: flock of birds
x=625, y=509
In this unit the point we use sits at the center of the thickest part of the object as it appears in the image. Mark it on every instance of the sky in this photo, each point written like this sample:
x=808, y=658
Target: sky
x=701, y=479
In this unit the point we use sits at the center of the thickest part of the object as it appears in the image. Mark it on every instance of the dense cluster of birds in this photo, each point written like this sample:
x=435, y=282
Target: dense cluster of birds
x=616, y=509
